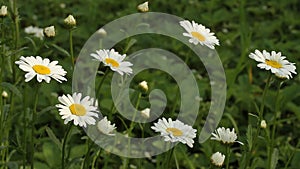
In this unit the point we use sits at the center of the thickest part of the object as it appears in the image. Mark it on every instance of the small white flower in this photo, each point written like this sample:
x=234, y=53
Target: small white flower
x=144, y=85
x=143, y=7
x=36, y=31
x=4, y=94
x=225, y=136
x=175, y=131
x=263, y=124
x=146, y=113
x=275, y=62
x=199, y=34
x=105, y=127
x=217, y=159
x=70, y=21
x=102, y=32
x=62, y=5
x=81, y=110
x=114, y=60
x=49, y=31
x=3, y=11
x=43, y=69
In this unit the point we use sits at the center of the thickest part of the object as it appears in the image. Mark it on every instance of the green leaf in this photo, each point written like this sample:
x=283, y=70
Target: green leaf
x=249, y=136
x=51, y=154
x=54, y=138
x=61, y=50
x=274, y=158
x=12, y=88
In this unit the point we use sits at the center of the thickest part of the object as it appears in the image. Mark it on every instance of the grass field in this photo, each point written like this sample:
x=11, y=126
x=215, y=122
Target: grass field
x=262, y=106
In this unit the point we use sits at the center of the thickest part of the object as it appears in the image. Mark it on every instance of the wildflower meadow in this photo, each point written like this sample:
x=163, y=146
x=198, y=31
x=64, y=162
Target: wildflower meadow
x=193, y=84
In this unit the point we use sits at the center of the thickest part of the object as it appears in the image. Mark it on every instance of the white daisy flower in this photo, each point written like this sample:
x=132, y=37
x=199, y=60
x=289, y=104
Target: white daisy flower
x=143, y=7
x=36, y=31
x=43, y=69
x=114, y=60
x=146, y=113
x=105, y=127
x=275, y=62
x=81, y=111
x=175, y=131
x=199, y=34
x=225, y=136
x=217, y=159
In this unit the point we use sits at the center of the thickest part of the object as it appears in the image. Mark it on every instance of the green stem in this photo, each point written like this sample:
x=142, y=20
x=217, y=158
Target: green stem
x=227, y=156
x=101, y=82
x=277, y=115
x=168, y=160
x=16, y=35
x=95, y=158
x=34, y=113
x=176, y=161
x=87, y=155
x=134, y=115
x=71, y=47
x=64, y=145
x=262, y=106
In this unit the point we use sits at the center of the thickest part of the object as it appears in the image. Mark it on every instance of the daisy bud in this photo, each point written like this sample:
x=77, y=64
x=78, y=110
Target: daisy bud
x=70, y=21
x=263, y=124
x=102, y=32
x=217, y=159
x=146, y=113
x=143, y=7
x=4, y=94
x=144, y=86
x=49, y=31
x=3, y=11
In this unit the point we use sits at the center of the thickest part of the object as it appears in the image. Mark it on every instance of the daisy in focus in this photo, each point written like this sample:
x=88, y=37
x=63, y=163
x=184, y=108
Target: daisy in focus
x=175, y=131
x=105, y=127
x=225, y=136
x=82, y=111
x=199, y=34
x=114, y=60
x=217, y=159
x=275, y=62
x=43, y=69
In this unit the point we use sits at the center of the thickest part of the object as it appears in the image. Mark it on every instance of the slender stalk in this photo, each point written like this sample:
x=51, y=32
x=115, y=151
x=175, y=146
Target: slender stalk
x=64, y=145
x=262, y=106
x=134, y=115
x=95, y=158
x=16, y=36
x=101, y=82
x=71, y=47
x=276, y=116
x=32, y=127
x=87, y=155
x=168, y=159
x=227, y=156
x=176, y=161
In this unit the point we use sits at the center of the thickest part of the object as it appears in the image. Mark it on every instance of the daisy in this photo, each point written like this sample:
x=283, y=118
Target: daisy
x=225, y=136
x=81, y=110
x=275, y=62
x=43, y=69
x=114, y=60
x=36, y=31
x=105, y=127
x=199, y=34
x=217, y=159
x=175, y=131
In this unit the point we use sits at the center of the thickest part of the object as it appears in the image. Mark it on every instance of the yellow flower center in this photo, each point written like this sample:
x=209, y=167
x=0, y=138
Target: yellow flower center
x=198, y=36
x=273, y=64
x=113, y=62
x=174, y=131
x=40, y=69
x=77, y=109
